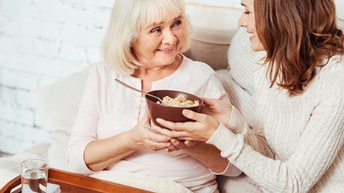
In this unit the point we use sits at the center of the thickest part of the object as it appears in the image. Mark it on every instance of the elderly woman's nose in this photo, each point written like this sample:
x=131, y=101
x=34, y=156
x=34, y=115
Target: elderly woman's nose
x=169, y=37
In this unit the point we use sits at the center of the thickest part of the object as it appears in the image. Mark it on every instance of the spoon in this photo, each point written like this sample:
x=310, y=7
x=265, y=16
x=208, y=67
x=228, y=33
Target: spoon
x=128, y=86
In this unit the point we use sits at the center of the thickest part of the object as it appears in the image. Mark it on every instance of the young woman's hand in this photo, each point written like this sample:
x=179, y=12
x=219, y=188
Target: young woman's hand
x=175, y=143
x=217, y=109
x=203, y=126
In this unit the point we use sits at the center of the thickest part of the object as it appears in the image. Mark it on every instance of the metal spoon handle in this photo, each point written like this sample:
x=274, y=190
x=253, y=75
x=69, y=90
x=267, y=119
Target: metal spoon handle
x=160, y=100
x=128, y=86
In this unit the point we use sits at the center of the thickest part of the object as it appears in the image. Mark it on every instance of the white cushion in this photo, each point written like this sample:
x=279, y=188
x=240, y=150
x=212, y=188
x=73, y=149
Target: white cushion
x=6, y=176
x=57, y=150
x=213, y=17
x=57, y=104
x=238, y=184
x=149, y=183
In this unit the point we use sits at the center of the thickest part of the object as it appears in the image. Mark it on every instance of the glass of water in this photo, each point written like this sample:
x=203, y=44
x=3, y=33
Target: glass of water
x=34, y=176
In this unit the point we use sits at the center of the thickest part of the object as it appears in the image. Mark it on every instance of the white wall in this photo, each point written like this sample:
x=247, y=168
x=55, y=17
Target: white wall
x=40, y=42
x=340, y=12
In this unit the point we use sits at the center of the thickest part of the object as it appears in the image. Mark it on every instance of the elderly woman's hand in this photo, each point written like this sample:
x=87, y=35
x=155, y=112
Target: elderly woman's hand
x=175, y=143
x=142, y=136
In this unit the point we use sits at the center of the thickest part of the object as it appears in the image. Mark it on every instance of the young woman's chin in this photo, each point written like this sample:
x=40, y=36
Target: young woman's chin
x=257, y=47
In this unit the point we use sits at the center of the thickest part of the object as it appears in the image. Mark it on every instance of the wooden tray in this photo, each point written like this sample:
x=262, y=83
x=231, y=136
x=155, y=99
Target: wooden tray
x=73, y=183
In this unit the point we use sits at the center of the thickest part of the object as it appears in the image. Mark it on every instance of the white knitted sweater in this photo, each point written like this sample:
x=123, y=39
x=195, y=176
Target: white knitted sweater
x=306, y=132
x=238, y=78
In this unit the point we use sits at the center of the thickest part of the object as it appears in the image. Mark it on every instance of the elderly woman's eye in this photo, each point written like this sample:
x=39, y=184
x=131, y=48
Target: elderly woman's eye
x=177, y=23
x=155, y=30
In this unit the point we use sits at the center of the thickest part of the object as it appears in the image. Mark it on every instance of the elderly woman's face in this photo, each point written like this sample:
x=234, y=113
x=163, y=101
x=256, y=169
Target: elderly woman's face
x=247, y=20
x=159, y=43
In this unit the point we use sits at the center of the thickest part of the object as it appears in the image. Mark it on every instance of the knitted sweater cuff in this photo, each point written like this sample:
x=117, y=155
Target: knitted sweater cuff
x=236, y=120
x=222, y=138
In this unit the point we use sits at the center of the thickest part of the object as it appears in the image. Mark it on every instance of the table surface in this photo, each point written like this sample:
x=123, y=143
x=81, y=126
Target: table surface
x=71, y=182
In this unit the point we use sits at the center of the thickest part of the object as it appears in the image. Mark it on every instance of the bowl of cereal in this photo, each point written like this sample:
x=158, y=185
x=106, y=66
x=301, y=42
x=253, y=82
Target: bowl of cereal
x=174, y=102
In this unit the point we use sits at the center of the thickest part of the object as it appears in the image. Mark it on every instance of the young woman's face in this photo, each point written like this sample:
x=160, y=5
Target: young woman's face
x=159, y=43
x=247, y=20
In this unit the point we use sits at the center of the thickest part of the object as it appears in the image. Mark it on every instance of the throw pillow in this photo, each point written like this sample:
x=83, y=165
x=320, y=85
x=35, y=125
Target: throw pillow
x=210, y=46
x=213, y=29
x=57, y=104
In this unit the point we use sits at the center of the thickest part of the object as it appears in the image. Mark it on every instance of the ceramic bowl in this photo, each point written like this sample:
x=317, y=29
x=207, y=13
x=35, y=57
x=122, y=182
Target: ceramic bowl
x=169, y=113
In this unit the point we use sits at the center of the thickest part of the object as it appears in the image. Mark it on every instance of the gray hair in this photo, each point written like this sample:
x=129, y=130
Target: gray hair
x=128, y=18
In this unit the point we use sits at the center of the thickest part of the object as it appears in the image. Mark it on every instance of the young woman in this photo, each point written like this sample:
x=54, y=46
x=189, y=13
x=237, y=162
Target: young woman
x=299, y=86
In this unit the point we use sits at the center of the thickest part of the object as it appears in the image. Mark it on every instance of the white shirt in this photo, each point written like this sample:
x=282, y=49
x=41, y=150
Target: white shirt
x=108, y=108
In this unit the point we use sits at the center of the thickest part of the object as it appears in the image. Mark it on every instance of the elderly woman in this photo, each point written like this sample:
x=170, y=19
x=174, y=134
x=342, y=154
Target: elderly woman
x=112, y=131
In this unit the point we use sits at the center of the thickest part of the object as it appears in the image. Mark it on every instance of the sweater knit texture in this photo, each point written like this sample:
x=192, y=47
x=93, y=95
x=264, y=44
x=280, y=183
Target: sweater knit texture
x=306, y=133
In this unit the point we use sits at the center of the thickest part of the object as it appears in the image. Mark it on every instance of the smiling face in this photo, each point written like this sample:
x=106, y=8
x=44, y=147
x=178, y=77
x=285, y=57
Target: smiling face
x=247, y=20
x=159, y=43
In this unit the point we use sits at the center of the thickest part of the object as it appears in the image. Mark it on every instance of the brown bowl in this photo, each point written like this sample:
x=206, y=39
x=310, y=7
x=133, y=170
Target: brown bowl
x=169, y=113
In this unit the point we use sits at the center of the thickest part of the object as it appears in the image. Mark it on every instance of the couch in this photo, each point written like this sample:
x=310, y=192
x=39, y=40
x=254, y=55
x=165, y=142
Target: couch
x=57, y=105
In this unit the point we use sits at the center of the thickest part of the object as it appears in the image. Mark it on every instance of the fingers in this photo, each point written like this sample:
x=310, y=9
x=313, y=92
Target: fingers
x=166, y=124
x=209, y=101
x=158, y=146
x=169, y=132
x=198, y=117
x=179, y=126
x=155, y=141
x=178, y=143
x=189, y=143
x=152, y=143
x=156, y=136
x=164, y=131
x=144, y=136
x=176, y=126
x=172, y=146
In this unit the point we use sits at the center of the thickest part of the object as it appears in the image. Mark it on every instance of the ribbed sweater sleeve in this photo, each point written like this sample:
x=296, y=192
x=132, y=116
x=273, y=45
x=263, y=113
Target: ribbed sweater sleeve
x=306, y=132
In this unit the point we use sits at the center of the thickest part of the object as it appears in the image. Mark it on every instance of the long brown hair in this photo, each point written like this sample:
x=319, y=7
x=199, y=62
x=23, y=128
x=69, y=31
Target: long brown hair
x=297, y=36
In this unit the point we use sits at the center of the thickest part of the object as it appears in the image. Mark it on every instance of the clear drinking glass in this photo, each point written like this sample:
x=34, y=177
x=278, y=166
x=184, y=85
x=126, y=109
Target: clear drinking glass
x=34, y=175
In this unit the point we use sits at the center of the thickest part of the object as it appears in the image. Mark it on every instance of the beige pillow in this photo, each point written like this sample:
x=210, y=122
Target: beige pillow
x=213, y=29
x=210, y=46
x=57, y=104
